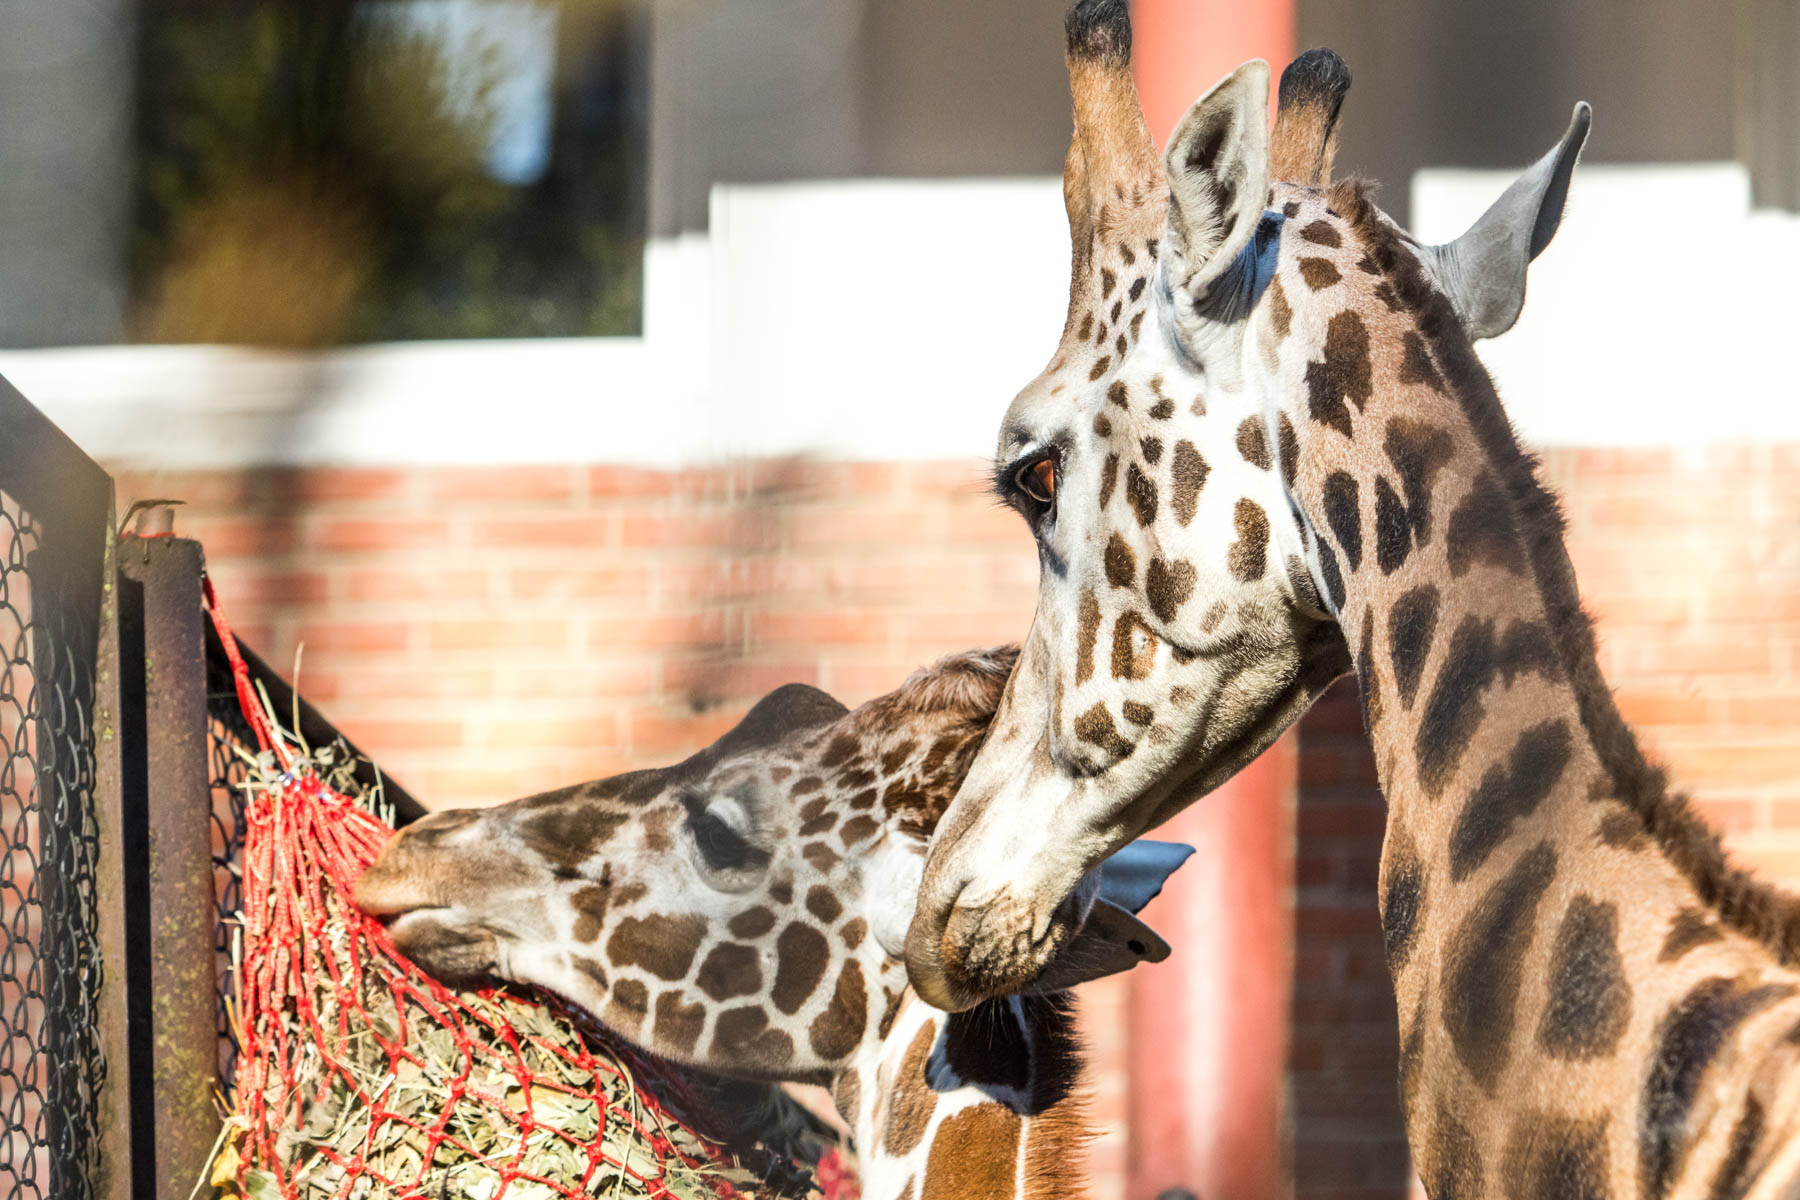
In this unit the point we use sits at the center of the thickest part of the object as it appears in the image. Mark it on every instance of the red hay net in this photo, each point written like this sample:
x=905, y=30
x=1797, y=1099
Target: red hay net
x=308, y=952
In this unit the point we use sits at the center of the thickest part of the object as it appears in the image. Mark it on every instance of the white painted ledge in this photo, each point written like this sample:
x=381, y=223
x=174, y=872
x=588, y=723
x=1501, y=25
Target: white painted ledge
x=894, y=320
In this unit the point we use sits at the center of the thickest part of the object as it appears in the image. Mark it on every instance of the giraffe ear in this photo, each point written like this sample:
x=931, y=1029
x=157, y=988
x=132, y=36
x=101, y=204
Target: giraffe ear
x=1483, y=271
x=1218, y=170
x=1113, y=940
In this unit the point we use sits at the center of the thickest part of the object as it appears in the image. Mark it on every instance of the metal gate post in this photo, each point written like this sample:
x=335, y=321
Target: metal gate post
x=113, y=1167
x=163, y=648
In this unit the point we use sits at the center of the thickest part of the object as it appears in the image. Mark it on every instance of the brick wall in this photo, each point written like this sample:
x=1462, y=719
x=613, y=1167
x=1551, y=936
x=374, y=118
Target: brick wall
x=487, y=633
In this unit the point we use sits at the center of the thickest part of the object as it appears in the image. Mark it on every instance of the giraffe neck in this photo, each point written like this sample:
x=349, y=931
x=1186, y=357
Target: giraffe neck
x=981, y=1103
x=1560, y=930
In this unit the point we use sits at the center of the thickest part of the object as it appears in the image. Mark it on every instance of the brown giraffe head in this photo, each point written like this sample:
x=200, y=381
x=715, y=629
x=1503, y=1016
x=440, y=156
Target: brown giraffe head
x=1187, y=607
x=743, y=910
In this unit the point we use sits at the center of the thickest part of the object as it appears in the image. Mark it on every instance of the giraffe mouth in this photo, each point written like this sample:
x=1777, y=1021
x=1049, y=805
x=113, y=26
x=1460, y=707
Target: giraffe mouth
x=453, y=952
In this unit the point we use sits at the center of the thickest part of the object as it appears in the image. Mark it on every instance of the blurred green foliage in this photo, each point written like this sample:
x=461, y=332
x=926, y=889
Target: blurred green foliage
x=312, y=172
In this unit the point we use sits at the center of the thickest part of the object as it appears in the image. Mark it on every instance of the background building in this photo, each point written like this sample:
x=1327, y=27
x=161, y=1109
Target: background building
x=563, y=376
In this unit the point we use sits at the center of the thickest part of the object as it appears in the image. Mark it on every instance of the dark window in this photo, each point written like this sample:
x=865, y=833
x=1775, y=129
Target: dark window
x=309, y=172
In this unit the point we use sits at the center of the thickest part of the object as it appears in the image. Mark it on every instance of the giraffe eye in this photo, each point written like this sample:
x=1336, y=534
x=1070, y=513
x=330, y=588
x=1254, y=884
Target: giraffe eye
x=719, y=843
x=721, y=848
x=1037, y=478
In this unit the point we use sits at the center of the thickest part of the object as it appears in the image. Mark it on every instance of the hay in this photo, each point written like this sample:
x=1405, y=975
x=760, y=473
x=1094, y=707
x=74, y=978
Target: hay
x=362, y=1078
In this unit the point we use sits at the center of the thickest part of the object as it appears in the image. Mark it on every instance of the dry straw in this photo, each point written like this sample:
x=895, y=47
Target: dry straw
x=363, y=1079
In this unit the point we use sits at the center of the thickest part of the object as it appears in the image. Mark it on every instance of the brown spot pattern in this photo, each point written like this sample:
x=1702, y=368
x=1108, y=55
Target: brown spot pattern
x=626, y=1006
x=1249, y=554
x=1253, y=443
x=1128, y=662
x=1121, y=563
x=801, y=954
x=662, y=945
x=1187, y=475
x=1167, y=585
x=823, y=903
x=751, y=923
x=730, y=969
x=912, y=1097
x=975, y=1153
x=678, y=1023
x=1095, y=726
x=1141, y=494
x=1319, y=273
x=1087, y=632
x=835, y=1033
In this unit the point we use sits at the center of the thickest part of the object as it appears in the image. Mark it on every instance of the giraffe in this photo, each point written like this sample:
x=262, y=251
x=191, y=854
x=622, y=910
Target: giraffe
x=744, y=910
x=1265, y=455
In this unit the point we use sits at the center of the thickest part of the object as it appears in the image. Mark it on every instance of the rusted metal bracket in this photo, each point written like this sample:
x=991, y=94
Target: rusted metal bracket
x=168, y=804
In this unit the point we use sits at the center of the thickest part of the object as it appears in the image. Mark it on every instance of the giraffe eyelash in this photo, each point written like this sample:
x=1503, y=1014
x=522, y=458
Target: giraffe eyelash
x=1029, y=483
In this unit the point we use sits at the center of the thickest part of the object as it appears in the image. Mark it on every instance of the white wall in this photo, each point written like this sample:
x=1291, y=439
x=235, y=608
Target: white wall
x=879, y=319
x=1663, y=312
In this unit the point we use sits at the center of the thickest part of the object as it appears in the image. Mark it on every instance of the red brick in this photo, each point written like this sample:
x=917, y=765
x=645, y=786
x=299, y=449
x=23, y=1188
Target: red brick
x=251, y=587
x=490, y=786
x=1640, y=707
x=957, y=480
x=420, y=586
x=1744, y=656
x=380, y=535
x=1368, y=819
x=598, y=729
x=356, y=637
x=611, y=580
x=479, y=487
x=497, y=635
x=387, y=735
x=619, y=483
x=1765, y=710
x=1729, y=814
x=832, y=627
x=1753, y=604
x=610, y=676
x=660, y=732
x=857, y=682
x=704, y=627
x=851, y=527
x=328, y=485
x=373, y=688
x=563, y=531
x=225, y=538
x=1741, y=765
x=1776, y=861
x=664, y=531
x=736, y=678
x=1613, y=461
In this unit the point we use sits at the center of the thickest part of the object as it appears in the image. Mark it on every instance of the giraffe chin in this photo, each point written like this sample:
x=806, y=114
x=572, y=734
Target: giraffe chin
x=988, y=949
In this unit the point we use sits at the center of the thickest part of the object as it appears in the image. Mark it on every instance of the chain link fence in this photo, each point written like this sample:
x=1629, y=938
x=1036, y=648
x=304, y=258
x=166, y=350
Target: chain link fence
x=51, y=971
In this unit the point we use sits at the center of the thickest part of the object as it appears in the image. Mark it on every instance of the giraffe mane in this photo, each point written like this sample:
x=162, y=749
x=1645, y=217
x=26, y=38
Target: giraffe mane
x=1749, y=905
x=965, y=687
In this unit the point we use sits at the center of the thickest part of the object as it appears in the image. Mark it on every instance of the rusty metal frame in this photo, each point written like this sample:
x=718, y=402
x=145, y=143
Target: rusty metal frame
x=168, y=802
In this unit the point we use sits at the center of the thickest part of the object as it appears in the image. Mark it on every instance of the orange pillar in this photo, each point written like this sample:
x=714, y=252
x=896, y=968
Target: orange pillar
x=1209, y=1027
x=1180, y=48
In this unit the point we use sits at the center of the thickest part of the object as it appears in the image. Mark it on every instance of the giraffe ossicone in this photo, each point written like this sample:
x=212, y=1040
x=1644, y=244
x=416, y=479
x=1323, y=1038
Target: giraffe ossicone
x=744, y=911
x=1264, y=455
